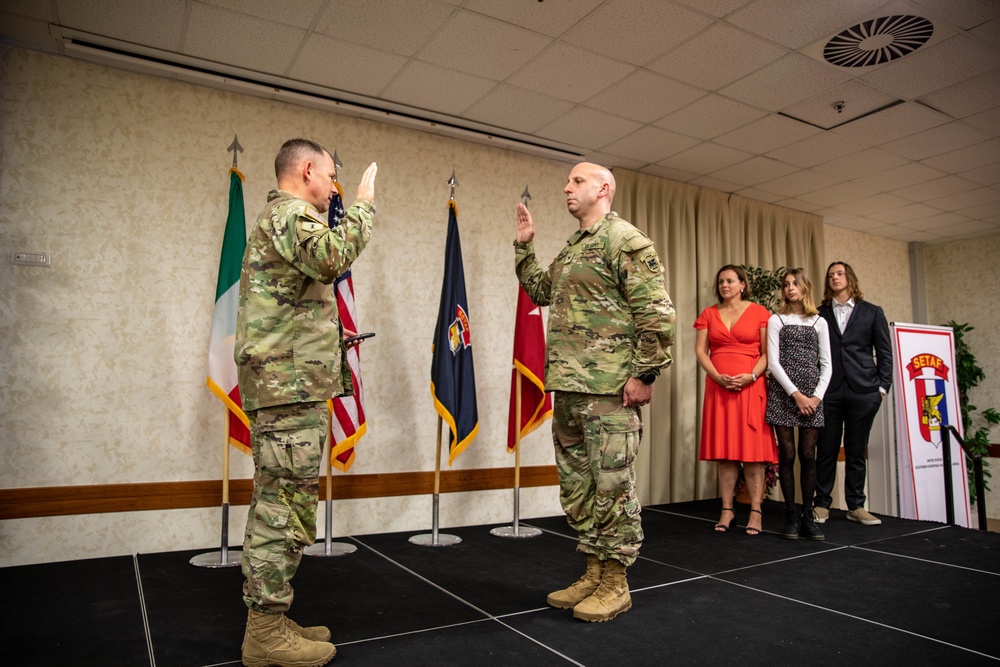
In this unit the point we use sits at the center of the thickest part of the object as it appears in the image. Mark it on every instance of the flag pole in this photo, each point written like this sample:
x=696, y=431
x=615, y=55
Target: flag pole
x=516, y=530
x=434, y=538
x=221, y=559
x=328, y=547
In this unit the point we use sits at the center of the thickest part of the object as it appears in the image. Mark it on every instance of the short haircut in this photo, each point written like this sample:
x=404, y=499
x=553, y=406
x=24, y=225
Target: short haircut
x=852, y=283
x=740, y=273
x=292, y=152
x=805, y=286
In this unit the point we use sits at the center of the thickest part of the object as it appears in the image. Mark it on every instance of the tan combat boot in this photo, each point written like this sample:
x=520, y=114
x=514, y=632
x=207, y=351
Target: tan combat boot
x=580, y=589
x=270, y=642
x=316, y=633
x=610, y=599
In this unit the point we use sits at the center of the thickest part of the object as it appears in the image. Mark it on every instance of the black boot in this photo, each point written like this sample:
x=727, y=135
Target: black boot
x=790, y=531
x=809, y=529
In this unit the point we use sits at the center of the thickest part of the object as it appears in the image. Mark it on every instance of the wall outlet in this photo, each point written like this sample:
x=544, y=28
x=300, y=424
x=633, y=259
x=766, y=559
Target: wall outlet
x=31, y=258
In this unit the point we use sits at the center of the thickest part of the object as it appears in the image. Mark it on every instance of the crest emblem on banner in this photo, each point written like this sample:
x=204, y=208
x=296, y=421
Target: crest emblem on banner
x=459, y=334
x=929, y=374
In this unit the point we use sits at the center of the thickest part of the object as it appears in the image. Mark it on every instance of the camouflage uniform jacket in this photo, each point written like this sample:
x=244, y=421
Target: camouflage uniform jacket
x=288, y=334
x=610, y=318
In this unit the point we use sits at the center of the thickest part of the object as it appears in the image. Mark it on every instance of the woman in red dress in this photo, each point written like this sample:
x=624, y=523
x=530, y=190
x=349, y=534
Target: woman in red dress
x=732, y=349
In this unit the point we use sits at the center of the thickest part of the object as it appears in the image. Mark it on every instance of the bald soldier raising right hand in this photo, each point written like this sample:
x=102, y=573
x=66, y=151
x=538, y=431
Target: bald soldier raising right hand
x=610, y=324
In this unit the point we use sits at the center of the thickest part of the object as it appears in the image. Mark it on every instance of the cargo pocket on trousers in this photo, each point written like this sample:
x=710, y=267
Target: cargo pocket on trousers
x=619, y=440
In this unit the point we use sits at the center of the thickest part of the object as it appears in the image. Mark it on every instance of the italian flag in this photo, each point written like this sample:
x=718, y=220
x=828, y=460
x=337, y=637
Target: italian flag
x=221, y=366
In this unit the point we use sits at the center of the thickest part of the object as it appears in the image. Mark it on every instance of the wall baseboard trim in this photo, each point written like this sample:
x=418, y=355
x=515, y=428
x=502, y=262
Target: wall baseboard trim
x=43, y=501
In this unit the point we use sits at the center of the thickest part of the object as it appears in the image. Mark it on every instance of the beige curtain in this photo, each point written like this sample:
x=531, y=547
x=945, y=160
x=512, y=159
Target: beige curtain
x=697, y=230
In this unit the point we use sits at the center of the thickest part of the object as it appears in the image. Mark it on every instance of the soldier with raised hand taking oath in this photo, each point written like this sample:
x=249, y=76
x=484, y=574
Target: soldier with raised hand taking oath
x=610, y=325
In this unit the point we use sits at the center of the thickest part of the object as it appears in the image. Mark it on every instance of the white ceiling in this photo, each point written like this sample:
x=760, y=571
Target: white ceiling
x=732, y=95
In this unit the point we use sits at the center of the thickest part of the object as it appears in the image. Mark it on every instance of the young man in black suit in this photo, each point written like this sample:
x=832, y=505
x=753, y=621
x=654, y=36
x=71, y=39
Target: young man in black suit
x=857, y=388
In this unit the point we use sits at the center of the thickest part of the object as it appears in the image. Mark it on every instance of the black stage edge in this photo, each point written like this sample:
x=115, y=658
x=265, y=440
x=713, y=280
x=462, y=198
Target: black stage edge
x=905, y=592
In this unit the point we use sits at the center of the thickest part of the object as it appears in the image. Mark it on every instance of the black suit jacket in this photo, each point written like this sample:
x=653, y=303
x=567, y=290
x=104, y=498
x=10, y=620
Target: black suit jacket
x=867, y=331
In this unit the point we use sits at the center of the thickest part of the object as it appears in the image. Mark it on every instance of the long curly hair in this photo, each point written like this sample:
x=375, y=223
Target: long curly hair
x=852, y=283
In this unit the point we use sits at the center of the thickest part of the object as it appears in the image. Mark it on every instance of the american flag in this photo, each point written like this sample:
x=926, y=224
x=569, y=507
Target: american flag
x=347, y=413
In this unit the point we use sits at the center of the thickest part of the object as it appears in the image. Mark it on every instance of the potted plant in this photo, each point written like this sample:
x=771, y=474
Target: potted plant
x=969, y=374
x=765, y=290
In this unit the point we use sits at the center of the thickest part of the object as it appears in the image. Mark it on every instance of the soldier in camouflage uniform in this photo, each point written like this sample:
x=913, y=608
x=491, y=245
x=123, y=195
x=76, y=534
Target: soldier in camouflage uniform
x=610, y=324
x=290, y=360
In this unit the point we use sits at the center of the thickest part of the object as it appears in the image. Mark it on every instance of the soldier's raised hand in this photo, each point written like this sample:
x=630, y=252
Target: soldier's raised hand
x=366, y=189
x=525, y=225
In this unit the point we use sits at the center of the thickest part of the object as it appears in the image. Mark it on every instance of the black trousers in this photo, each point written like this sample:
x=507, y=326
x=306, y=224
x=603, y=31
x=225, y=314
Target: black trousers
x=848, y=415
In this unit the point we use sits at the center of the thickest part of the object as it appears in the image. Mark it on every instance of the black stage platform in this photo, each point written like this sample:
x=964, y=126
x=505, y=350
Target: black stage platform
x=905, y=592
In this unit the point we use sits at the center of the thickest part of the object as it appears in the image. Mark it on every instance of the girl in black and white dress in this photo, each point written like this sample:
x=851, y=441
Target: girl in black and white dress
x=798, y=358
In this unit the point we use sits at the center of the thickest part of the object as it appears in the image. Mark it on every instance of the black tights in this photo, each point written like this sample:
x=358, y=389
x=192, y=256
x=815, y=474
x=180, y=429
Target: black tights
x=807, y=463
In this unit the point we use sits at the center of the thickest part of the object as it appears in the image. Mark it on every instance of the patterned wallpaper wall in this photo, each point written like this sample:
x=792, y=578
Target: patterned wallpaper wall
x=122, y=177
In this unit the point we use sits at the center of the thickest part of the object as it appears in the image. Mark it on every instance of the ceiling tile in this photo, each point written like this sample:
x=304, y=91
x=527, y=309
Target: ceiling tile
x=386, y=25
x=587, y=127
x=800, y=182
x=611, y=161
x=482, y=46
x=988, y=175
x=964, y=159
x=839, y=194
x=706, y=158
x=667, y=172
x=819, y=148
x=767, y=134
x=227, y=37
x=892, y=123
x=149, y=22
x=720, y=55
x=969, y=229
x=322, y=62
x=427, y=86
x=988, y=33
x=934, y=67
x=874, y=204
x=644, y=96
x=553, y=17
x=990, y=210
x=710, y=116
x=965, y=200
x=717, y=8
x=796, y=24
x=547, y=73
x=901, y=176
x=297, y=13
x=858, y=165
x=907, y=213
x=753, y=171
x=636, y=31
x=517, y=109
x=988, y=121
x=856, y=97
x=940, y=187
x=932, y=222
x=966, y=14
x=784, y=82
x=968, y=97
x=897, y=233
x=861, y=224
x=650, y=144
x=937, y=140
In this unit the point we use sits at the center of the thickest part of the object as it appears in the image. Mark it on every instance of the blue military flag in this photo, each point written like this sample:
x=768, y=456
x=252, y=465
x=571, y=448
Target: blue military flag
x=453, y=379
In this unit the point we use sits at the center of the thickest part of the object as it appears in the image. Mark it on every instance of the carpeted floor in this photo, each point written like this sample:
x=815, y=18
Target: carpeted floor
x=904, y=592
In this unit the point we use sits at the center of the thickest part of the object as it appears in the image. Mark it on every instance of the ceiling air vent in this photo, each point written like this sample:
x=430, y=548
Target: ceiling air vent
x=878, y=41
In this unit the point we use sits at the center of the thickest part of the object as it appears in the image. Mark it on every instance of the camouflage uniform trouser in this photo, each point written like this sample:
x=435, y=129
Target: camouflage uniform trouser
x=287, y=445
x=596, y=440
